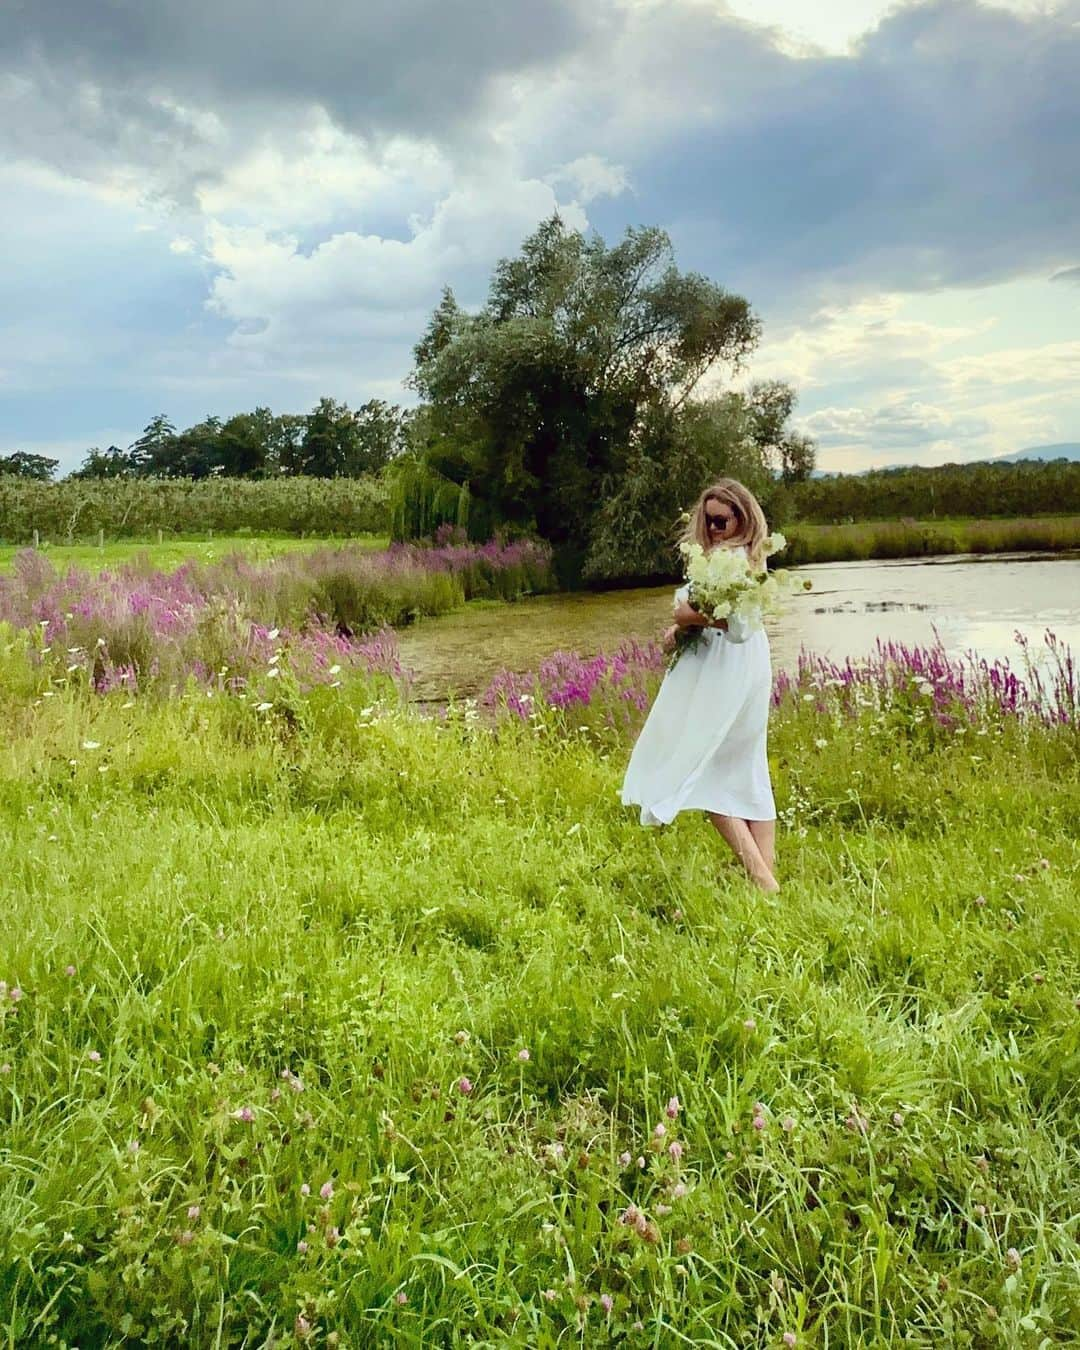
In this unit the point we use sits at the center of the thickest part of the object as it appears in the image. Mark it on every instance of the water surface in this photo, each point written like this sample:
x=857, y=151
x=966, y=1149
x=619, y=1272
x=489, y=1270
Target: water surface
x=973, y=603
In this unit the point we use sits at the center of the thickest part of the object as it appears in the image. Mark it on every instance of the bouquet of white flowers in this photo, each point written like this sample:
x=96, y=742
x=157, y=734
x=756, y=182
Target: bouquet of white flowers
x=723, y=585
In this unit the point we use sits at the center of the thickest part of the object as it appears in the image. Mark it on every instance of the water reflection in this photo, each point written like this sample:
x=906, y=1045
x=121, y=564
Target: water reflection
x=970, y=603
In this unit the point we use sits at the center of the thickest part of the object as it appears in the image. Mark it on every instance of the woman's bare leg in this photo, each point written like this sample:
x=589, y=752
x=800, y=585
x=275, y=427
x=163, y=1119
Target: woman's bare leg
x=764, y=832
x=737, y=834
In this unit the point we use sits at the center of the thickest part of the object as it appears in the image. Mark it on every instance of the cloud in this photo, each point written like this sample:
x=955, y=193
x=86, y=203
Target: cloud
x=1067, y=274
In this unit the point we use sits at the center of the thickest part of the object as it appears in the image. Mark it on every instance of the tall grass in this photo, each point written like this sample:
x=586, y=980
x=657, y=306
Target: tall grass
x=335, y=1024
x=914, y=539
x=220, y=622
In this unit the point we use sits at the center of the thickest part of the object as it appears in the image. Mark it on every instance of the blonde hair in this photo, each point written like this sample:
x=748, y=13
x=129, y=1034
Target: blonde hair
x=752, y=531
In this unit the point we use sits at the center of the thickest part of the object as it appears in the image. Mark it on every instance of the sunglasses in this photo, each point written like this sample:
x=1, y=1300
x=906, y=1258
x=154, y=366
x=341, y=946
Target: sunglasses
x=720, y=520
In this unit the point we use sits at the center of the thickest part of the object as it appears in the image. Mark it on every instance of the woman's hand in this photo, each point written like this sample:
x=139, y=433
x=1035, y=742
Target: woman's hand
x=667, y=642
x=686, y=616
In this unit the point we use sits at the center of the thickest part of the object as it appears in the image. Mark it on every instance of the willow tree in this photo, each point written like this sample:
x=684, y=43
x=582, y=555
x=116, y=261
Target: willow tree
x=541, y=401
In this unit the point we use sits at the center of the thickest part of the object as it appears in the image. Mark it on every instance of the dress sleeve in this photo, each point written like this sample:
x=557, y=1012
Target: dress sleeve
x=741, y=629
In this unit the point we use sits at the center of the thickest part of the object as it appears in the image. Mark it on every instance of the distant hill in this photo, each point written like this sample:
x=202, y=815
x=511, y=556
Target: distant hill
x=1066, y=450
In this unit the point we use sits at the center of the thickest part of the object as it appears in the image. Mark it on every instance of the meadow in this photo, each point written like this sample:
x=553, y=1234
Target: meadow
x=858, y=540
x=323, y=1022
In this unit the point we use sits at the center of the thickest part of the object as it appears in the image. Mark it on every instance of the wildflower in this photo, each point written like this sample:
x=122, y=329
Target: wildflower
x=750, y=1025
x=629, y=1216
x=523, y=1055
x=134, y=1146
x=550, y=1295
x=1044, y=863
x=624, y=1159
x=789, y=1338
x=305, y=1189
x=641, y=1162
x=672, y=1109
x=980, y=900
x=675, y=1150
x=91, y=745
x=301, y=1327
x=333, y=1235
x=660, y=1131
x=94, y=1056
x=1038, y=978
x=461, y=1037
x=663, y=1210
x=244, y=1113
x=301, y=1246
x=857, y=1122
x=263, y=707
x=15, y=993
x=193, y=1211
x=678, y=1190
x=898, y=1119
x=1012, y=1259
x=464, y=1086
x=607, y=1303
x=326, y=1190
x=758, y=1122
x=821, y=743
x=186, y=1238
x=787, y=1124
x=5, y=1068
x=401, y=1298
x=69, y=971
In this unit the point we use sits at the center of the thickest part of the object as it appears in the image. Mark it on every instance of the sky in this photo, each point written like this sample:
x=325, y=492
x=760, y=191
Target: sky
x=228, y=203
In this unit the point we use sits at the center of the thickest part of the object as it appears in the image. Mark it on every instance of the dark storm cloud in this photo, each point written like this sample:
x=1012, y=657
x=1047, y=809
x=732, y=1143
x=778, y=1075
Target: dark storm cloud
x=134, y=79
x=942, y=152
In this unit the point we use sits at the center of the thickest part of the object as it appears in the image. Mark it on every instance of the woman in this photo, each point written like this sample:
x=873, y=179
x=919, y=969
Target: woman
x=703, y=745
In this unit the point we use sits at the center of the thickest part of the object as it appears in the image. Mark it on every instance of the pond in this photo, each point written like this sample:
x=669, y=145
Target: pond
x=972, y=603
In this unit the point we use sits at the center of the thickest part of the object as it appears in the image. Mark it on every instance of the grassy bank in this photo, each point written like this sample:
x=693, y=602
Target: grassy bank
x=328, y=1024
x=174, y=552
x=925, y=538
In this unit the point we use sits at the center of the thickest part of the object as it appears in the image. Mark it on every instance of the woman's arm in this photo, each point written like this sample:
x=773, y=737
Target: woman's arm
x=686, y=616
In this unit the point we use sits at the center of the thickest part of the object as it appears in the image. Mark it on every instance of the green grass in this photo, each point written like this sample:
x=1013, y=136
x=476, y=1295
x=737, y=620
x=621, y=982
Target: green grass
x=383, y=906
x=925, y=538
x=171, y=553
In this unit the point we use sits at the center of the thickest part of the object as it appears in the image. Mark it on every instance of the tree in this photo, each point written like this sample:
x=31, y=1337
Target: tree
x=153, y=445
x=790, y=454
x=23, y=464
x=539, y=401
x=241, y=447
x=110, y=463
x=330, y=440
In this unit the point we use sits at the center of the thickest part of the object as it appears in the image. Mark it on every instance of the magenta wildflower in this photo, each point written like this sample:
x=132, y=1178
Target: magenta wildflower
x=245, y=1114
x=301, y=1246
x=326, y=1190
x=758, y=1122
x=607, y=1303
x=401, y=1298
x=523, y=1054
x=193, y=1211
x=464, y=1086
x=15, y=993
x=750, y=1024
x=790, y=1339
x=672, y=1108
x=69, y=971
x=660, y=1131
x=675, y=1150
x=94, y=1056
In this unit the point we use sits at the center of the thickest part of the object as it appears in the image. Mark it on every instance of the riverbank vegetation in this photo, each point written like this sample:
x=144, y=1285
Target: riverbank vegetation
x=324, y=1021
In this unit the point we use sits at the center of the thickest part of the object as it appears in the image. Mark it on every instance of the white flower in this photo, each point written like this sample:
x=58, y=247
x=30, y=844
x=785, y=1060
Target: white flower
x=273, y=634
x=91, y=745
x=821, y=744
x=263, y=707
x=273, y=673
x=334, y=670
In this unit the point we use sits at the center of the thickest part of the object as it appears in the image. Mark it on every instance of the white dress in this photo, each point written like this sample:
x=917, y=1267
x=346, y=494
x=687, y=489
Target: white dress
x=703, y=745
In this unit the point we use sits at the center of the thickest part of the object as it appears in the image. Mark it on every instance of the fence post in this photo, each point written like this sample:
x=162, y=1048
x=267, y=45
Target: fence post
x=37, y=539
x=101, y=538
x=159, y=534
